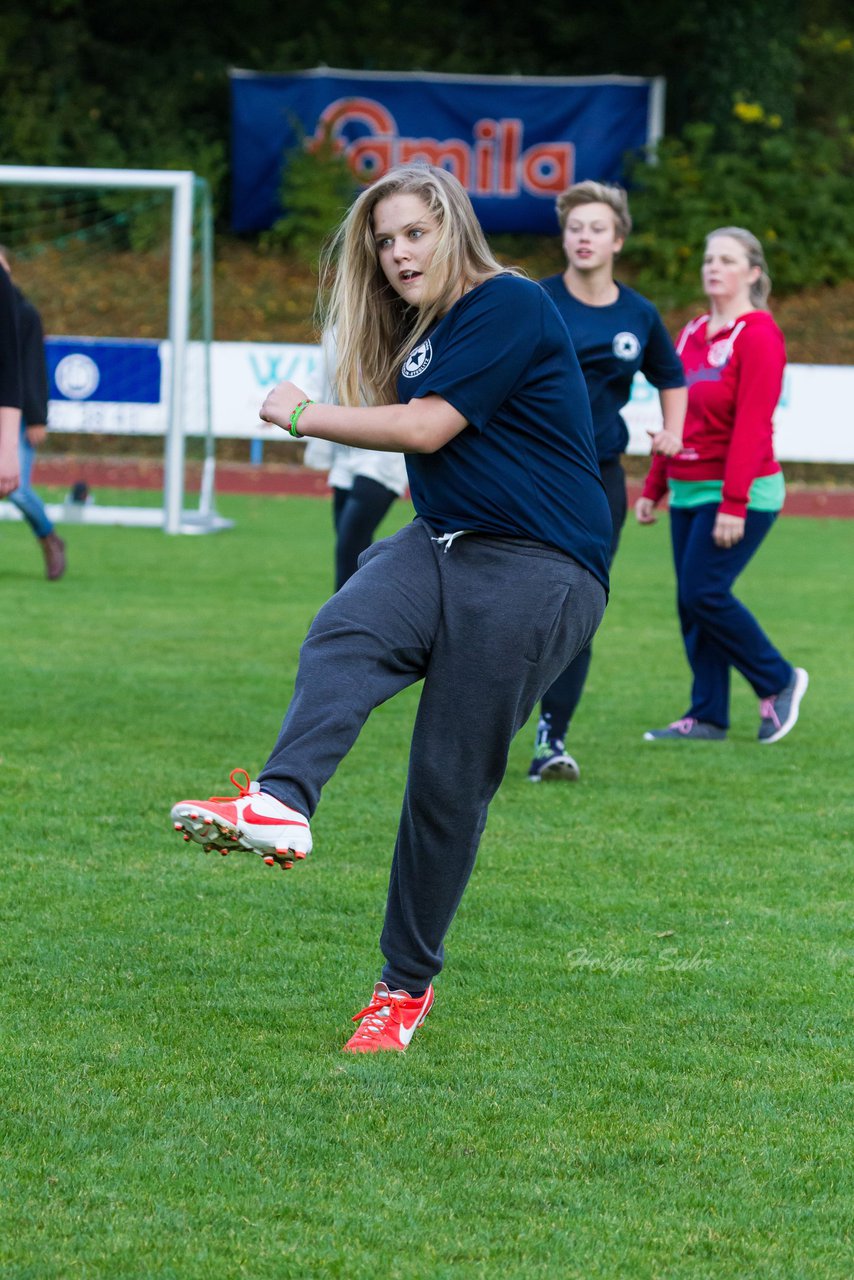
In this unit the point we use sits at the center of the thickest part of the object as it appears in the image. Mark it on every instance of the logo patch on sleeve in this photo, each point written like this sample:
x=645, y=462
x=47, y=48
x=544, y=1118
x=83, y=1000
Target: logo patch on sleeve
x=418, y=360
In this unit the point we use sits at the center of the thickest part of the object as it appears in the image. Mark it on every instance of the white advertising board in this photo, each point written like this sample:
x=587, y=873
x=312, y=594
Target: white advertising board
x=813, y=423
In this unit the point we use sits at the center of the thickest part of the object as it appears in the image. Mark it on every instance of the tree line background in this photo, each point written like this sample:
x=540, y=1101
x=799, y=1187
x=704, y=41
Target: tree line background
x=760, y=98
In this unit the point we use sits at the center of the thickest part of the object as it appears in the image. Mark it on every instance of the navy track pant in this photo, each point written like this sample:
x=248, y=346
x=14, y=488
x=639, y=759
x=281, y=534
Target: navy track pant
x=561, y=700
x=719, y=633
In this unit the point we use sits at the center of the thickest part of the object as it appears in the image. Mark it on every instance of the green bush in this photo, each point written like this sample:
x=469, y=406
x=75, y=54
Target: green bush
x=824, y=90
x=317, y=189
x=790, y=187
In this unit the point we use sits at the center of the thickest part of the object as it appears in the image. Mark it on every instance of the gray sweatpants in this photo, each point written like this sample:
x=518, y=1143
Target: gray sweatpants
x=488, y=623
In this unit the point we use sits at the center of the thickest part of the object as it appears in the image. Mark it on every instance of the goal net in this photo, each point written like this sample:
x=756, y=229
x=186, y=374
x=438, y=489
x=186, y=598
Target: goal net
x=119, y=264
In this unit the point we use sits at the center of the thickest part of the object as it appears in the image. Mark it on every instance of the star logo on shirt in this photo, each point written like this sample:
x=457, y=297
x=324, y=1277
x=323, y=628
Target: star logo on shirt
x=626, y=346
x=418, y=360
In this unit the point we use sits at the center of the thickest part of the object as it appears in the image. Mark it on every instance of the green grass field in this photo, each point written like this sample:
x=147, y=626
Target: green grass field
x=639, y=1061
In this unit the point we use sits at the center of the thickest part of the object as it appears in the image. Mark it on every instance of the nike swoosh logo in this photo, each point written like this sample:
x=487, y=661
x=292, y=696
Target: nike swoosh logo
x=249, y=815
x=406, y=1033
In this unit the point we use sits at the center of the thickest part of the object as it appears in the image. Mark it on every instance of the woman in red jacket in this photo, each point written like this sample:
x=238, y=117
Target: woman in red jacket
x=726, y=490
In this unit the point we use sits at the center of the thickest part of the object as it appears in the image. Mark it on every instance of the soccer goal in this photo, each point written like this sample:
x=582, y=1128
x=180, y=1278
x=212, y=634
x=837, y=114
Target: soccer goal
x=119, y=263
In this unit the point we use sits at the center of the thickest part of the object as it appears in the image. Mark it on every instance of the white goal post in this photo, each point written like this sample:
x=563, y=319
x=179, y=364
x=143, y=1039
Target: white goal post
x=185, y=189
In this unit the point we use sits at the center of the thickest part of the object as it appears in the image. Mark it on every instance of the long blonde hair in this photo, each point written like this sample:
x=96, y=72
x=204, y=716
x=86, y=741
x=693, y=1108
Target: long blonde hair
x=375, y=328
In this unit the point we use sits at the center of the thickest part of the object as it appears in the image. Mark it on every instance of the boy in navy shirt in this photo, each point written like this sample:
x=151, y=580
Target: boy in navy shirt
x=615, y=333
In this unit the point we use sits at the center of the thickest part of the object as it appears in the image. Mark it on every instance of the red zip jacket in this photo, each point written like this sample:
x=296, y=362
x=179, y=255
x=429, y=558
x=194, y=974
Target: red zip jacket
x=734, y=381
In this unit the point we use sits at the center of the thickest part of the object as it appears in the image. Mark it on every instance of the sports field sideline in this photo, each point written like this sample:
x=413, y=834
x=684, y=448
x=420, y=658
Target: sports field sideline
x=292, y=481
x=638, y=1064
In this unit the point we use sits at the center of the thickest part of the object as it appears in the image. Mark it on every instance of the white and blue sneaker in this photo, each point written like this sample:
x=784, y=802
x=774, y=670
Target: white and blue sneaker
x=687, y=729
x=779, y=714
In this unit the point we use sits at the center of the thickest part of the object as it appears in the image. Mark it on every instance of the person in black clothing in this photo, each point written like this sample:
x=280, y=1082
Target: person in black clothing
x=10, y=387
x=33, y=426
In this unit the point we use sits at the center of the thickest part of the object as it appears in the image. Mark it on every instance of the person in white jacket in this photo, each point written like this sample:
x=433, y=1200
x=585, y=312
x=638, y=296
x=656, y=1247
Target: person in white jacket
x=364, y=482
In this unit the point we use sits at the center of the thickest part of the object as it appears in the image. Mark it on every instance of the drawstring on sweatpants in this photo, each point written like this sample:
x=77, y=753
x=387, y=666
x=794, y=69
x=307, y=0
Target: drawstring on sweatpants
x=447, y=539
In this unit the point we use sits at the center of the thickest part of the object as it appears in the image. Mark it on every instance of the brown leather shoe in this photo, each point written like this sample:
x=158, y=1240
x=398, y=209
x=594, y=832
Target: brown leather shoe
x=54, y=556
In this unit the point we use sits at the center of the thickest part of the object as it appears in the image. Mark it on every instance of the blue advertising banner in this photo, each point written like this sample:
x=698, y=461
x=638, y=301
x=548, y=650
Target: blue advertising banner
x=515, y=142
x=115, y=371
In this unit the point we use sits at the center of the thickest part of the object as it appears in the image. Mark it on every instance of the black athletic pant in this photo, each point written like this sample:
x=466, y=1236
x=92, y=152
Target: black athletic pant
x=357, y=513
x=486, y=623
x=563, y=697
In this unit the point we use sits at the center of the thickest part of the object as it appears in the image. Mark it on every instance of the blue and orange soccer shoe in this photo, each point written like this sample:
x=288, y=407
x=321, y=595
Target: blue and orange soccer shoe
x=389, y=1021
x=250, y=820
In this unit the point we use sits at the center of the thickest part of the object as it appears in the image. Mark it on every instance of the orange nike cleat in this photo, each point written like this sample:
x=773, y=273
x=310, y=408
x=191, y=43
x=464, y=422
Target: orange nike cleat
x=389, y=1021
x=250, y=820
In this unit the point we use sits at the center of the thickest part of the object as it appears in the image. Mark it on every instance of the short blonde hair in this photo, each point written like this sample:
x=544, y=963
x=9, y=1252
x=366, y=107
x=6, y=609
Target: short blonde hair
x=760, y=290
x=375, y=328
x=596, y=193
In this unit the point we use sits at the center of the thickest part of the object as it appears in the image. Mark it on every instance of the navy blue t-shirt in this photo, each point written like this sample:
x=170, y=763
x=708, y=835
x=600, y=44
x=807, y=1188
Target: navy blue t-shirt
x=525, y=466
x=612, y=343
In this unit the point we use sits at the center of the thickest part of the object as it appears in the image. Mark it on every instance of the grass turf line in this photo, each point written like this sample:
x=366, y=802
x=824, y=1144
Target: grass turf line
x=639, y=1060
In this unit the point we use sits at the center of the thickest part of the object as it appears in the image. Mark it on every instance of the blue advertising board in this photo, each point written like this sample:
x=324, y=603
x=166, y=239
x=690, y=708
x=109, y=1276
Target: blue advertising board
x=107, y=371
x=515, y=142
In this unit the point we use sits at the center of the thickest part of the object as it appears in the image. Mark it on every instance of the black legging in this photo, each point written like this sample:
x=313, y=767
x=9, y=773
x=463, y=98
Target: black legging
x=357, y=512
x=560, y=701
